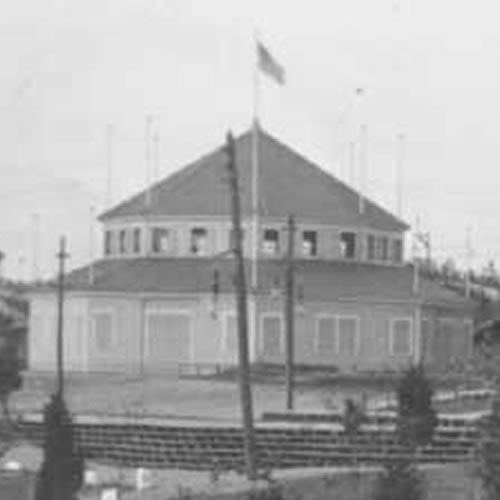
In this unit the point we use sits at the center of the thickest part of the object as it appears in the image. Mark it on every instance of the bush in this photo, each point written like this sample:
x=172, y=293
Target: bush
x=400, y=480
x=61, y=473
x=353, y=417
x=417, y=418
x=10, y=377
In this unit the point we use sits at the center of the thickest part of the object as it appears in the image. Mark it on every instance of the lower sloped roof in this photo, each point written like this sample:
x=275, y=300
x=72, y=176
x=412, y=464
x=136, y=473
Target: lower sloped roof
x=319, y=280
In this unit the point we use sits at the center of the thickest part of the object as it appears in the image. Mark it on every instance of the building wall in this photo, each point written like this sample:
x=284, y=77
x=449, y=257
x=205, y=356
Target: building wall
x=373, y=345
x=120, y=333
x=42, y=333
x=219, y=230
x=446, y=336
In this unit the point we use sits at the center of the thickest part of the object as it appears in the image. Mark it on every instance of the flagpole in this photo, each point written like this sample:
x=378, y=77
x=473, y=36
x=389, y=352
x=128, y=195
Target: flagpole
x=255, y=171
x=254, y=257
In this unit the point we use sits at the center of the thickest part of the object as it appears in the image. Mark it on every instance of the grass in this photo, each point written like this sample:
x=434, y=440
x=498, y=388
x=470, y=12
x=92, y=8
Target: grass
x=454, y=482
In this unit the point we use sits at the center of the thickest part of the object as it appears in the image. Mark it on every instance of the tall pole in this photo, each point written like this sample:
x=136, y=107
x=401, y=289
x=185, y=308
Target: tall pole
x=290, y=312
x=62, y=256
x=241, y=299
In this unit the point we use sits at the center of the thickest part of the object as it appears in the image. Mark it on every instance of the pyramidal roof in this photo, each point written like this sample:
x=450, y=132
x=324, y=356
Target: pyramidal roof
x=288, y=184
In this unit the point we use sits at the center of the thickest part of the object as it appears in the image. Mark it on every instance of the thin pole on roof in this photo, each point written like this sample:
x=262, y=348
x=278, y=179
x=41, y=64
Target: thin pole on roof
x=110, y=132
x=400, y=158
x=352, y=163
x=91, y=245
x=156, y=154
x=362, y=166
x=36, y=245
x=148, y=155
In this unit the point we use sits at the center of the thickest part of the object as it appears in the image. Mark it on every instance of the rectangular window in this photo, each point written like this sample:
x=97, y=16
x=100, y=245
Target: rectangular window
x=108, y=242
x=122, y=241
x=137, y=240
x=348, y=331
x=383, y=248
x=160, y=240
x=401, y=337
x=271, y=335
x=397, y=252
x=310, y=243
x=103, y=331
x=198, y=244
x=348, y=245
x=326, y=335
x=370, y=247
x=271, y=243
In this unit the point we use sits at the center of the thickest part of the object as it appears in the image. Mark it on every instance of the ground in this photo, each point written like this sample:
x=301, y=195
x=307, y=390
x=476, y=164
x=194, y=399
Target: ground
x=218, y=400
x=207, y=398
x=167, y=395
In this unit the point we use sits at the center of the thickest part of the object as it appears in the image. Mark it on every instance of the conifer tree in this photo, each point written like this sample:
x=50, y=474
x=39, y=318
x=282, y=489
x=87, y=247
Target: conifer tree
x=61, y=473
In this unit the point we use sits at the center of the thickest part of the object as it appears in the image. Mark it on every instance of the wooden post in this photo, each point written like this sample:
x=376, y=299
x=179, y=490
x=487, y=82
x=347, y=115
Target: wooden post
x=290, y=312
x=62, y=256
x=242, y=311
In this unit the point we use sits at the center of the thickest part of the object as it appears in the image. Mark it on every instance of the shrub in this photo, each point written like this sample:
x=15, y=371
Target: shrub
x=353, y=417
x=417, y=418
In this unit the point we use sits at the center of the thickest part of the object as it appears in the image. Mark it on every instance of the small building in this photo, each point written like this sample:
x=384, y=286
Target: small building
x=163, y=292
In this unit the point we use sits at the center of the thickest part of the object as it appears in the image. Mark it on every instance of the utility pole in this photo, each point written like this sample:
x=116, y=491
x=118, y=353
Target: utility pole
x=62, y=256
x=242, y=309
x=290, y=312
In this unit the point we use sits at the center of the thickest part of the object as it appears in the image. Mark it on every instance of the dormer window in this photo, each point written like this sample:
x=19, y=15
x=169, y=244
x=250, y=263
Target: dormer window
x=348, y=245
x=198, y=244
x=310, y=243
x=271, y=243
x=122, y=241
x=136, y=240
x=160, y=241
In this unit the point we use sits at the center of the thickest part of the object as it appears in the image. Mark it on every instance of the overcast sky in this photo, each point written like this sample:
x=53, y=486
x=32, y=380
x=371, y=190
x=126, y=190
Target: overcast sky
x=429, y=69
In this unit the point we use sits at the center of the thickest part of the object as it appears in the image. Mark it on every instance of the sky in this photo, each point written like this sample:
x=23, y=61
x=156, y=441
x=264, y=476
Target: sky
x=74, y=70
